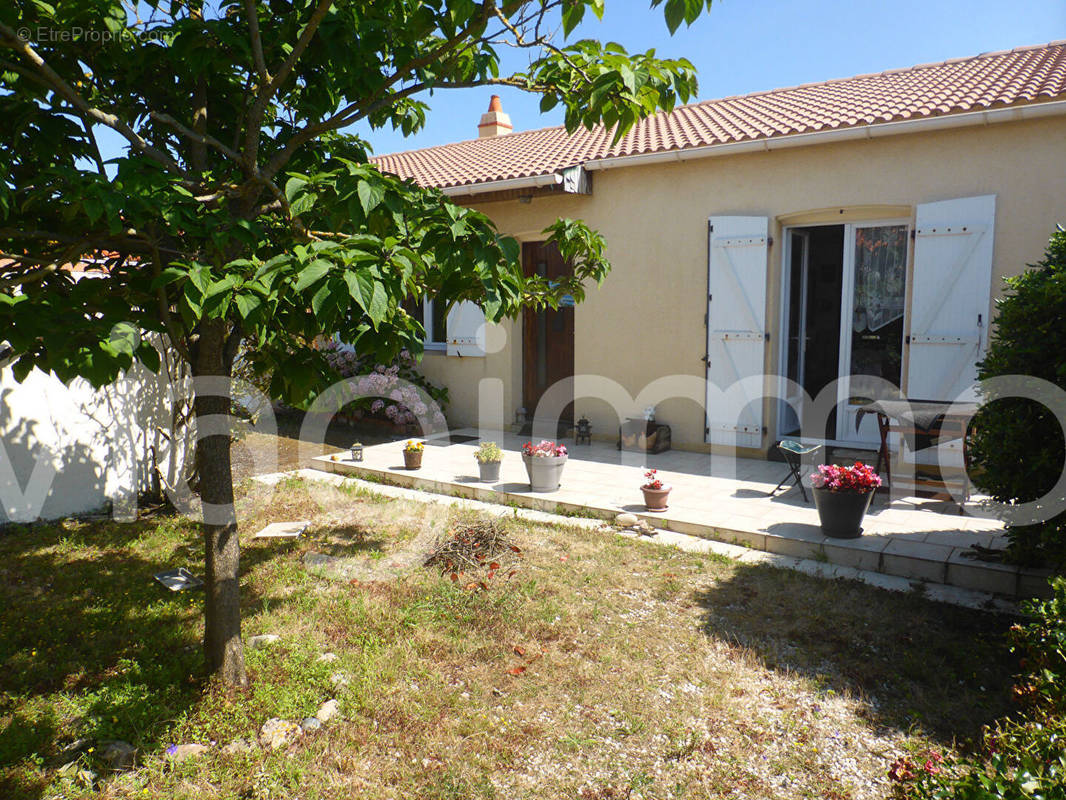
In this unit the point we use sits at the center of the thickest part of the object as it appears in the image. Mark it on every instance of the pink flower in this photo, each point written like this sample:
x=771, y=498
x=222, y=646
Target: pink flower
x=858, y=478
x=545, y=449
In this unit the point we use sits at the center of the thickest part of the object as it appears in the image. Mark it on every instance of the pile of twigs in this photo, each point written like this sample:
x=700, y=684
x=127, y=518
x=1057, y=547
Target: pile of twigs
x=471, y=548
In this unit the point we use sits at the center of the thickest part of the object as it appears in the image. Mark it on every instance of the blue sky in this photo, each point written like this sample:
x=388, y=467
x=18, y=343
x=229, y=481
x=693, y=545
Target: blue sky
x=750, y=45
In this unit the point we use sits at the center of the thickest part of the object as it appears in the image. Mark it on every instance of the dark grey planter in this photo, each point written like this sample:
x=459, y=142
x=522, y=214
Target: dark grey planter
x=545, y=472
x=841, y=513
x=490, y=471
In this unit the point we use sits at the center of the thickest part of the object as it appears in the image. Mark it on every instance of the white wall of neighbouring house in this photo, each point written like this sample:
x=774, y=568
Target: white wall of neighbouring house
x=70, y=449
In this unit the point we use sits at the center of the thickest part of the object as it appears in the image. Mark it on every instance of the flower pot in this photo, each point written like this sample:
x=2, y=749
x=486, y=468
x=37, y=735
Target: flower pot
x=545, y=472
x=490, y=471
x=841, y=513
x=655, y=499
x=412, y=459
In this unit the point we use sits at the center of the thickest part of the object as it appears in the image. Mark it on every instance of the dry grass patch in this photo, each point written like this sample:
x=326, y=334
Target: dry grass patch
x=603, y=668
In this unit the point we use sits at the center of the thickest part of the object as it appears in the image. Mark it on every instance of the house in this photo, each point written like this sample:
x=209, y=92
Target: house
x=777, y=242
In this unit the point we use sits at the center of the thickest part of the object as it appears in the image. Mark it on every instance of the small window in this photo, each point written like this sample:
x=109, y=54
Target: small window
x=436, y=322
x=434, y=319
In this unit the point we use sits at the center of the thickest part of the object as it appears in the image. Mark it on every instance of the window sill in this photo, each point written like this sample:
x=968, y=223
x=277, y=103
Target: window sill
x=439, y=348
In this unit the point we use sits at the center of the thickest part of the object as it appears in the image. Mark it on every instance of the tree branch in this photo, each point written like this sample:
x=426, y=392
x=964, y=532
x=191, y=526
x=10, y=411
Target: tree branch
x=257, y=43
x=263, y=98
x=61, y=87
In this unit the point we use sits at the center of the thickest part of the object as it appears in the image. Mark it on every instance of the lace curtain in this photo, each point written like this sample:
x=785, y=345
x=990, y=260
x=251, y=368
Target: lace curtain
x=880, y=276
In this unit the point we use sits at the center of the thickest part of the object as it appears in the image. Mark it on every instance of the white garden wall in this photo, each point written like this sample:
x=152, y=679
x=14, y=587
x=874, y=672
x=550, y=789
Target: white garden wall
x=69, y=449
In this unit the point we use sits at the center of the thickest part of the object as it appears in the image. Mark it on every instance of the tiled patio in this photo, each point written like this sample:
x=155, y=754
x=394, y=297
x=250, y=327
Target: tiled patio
x=718, y=498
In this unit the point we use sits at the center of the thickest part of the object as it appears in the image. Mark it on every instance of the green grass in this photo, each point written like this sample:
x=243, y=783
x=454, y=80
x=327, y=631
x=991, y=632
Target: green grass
x=604, y=668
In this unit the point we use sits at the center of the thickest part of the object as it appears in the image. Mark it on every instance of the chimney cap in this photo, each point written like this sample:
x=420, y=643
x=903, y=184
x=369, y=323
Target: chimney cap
x=495, y=104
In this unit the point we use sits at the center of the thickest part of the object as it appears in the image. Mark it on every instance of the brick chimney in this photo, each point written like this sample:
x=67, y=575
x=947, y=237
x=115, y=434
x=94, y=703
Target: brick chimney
x=494, y=122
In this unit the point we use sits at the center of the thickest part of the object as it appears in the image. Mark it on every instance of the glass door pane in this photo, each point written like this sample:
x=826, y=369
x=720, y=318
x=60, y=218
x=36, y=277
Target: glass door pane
x=872, y=326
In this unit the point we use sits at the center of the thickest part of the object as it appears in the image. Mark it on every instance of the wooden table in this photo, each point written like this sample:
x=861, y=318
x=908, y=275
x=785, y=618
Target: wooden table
x=922, y=419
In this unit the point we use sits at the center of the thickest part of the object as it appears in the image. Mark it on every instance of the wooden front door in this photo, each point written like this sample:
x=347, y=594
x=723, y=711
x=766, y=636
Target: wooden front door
x=547, y=335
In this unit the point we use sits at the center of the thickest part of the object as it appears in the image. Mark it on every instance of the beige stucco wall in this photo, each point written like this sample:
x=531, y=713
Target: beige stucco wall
x=647, y=320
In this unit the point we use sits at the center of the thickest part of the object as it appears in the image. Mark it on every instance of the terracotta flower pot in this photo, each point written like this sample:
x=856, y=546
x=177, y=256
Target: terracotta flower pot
x=545, y=472
x=841, y=513
x=412, y=459
x=489, y=470
x=655, y=499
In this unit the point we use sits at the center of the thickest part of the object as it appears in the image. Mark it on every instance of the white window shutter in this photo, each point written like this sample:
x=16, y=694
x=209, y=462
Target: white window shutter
x=466, y=330
x=736, y=327
x=952, y=286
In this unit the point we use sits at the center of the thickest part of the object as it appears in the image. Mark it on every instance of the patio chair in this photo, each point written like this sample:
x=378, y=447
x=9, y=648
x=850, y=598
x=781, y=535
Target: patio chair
x=794, y=454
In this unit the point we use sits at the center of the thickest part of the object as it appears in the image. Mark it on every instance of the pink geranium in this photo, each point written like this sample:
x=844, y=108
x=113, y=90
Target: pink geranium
x=652, y=480
x=545, y=449
x=859, y=478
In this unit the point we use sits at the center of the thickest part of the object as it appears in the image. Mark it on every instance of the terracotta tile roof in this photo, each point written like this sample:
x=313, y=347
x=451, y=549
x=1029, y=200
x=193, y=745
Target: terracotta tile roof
x=1021, y=76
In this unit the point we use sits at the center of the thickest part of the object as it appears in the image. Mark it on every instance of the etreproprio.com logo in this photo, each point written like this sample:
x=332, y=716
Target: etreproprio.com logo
x=43, y=34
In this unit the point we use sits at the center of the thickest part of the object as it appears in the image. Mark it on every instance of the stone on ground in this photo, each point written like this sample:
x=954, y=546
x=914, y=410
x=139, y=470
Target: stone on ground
x=311, y=724
x=262, y=640
x=626, y=520
x=327, y=658
x=328, y=710
x=283, y=530
x=183, y=751
x=238, y=746
x=278, y=733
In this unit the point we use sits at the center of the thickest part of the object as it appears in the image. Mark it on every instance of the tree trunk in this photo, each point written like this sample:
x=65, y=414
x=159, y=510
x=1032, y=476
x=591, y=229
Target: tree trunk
x=222, y=610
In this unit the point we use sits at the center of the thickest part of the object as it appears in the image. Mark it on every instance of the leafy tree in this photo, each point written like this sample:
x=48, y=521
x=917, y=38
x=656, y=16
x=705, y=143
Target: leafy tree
x=1017, y=448
x=242, y=210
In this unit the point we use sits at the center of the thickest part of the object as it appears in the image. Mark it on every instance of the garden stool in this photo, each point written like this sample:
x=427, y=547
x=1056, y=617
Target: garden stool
x=794, y=453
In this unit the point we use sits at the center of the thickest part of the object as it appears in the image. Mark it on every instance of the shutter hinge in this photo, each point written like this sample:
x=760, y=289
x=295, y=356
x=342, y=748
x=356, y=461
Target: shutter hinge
x=914, y=234
x=766, y=336
x=706, y=359
x=769, y=241
x=705, y=320
x=908, y=339
x=710, y=227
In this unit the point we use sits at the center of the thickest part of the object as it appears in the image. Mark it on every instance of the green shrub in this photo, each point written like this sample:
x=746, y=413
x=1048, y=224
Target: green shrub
x=1017, y=448
x=1019, y=758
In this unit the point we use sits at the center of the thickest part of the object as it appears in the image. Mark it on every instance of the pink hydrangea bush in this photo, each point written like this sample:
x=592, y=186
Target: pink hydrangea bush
x=389, y=391
x=545, y=449
x=859, y=478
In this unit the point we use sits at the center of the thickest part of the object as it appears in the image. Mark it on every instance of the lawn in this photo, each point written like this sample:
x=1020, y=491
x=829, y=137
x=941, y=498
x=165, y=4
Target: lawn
x=602, y=668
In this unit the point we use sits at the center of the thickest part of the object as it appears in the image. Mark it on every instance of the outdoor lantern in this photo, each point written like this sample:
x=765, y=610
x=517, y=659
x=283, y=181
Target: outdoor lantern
x=357, y=451
x=584, y=431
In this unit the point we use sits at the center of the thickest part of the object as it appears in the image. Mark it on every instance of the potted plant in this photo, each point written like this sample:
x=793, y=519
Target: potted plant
x=544, y=465
x=655, y=493
x=842, y=496
x=488, y=457
x=412, y=454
